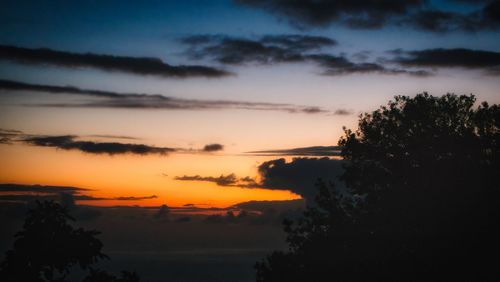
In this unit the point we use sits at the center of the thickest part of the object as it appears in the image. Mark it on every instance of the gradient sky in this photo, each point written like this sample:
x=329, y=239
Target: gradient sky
x=456, y=50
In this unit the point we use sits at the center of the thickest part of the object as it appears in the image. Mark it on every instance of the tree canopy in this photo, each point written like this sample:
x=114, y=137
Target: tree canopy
x=48, y=247
x=423, y=201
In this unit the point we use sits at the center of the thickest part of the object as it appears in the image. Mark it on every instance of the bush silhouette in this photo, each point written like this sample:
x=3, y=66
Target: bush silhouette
x=48, y=247
x=423, y=201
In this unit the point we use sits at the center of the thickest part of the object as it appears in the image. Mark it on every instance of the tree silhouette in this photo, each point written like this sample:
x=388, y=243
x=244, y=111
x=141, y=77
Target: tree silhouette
x=48, y=247
x=422, y=173
x=324, y=226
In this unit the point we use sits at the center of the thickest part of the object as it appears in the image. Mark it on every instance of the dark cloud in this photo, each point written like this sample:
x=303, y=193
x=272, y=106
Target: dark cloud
x=312, y=110
x=342, y=112
x=222, y=180
x=213, y=148
x=374, y=14
x=305, y=151
x=72, y=142
x=16, y=188
x=264, y=50
x=132, y=198
x=299, y=43
x=438, y=21
x=65, y=198
x=282, y=49
x=300, y=175
x=123, y=198
x=356, y=14
x=68, y=142
x=28, y=197
x=20, y=193
x=486, y=18
x=134, y=65
x=448, y=58
x=64, y=194
x=492, y=12
x=335, y=65
x=7, y=135
x=114, y=136
x=108, y=99
x=236, y=51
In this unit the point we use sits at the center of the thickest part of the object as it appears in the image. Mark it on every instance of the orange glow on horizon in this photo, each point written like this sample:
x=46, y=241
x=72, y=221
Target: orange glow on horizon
x=136, y=176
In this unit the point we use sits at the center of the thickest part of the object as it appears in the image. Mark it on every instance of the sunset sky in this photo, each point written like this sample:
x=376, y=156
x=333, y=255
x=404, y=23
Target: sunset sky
x=192, y=102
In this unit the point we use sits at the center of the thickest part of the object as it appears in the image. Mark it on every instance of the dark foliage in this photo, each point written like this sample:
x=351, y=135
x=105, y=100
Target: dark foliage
x=423, y=205
x=48, y=248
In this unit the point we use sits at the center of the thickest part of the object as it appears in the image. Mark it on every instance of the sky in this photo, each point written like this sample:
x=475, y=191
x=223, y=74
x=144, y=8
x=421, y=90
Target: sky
x=215, y=103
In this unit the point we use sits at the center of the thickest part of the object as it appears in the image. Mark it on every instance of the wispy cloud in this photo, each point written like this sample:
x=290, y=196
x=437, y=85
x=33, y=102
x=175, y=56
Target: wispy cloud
x=40, y=188
x=133, y=65
x=73, y=142
x=122, y=198
x=222, y=180
x=488, y=61
x=68, y=142
x=342, y=112
x=107, y=136
x=339, y=65
x=264, y=50
x=8, y=135
x=109, y=99
x=276, y=49
x=27, y=193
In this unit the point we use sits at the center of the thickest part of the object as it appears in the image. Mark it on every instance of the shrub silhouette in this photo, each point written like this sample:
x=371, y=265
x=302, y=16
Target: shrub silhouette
x=424, y=205
x=48, y=247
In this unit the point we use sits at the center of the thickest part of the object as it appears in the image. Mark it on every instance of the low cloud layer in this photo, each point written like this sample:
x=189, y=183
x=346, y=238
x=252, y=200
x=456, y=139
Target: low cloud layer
x=275, y=49
x=109, y=99
x=133, y=65
x=40, y=189
x=122, y=198
x=451, y=58
x=317, y=151
x=375, y=14
x=64, y=194
x=299, y=176
x=222, y=180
